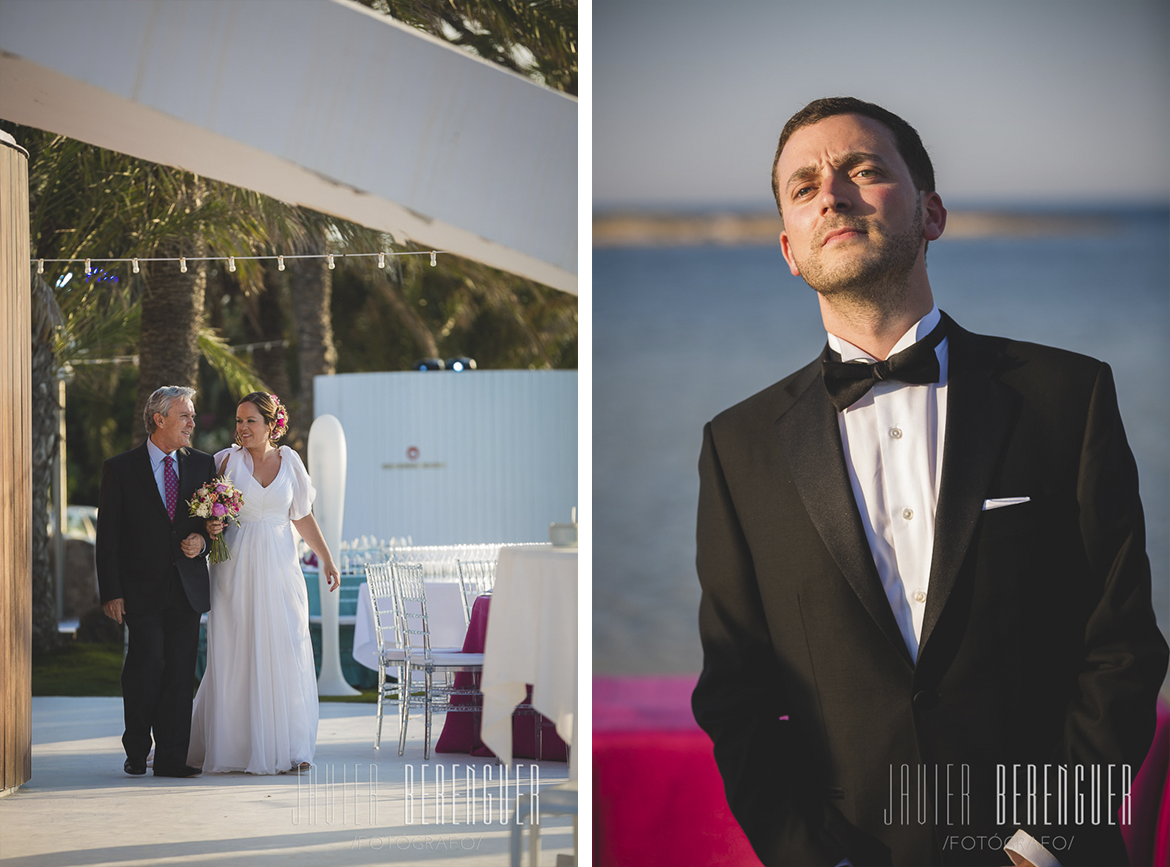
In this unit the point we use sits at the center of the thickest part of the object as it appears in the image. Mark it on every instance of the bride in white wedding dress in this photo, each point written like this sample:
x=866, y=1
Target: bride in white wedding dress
x=256, y=708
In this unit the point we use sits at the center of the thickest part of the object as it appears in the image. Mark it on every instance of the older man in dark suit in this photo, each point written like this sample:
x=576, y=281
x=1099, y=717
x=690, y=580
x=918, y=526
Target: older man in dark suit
x=152, y=573
x=926, y=617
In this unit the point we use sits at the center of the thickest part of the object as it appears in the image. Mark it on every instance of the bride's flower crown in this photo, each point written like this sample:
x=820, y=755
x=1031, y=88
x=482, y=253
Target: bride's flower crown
x=281, y=427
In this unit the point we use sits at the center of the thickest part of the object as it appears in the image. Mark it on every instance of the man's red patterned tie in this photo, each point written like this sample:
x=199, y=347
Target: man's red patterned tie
x=171, y=481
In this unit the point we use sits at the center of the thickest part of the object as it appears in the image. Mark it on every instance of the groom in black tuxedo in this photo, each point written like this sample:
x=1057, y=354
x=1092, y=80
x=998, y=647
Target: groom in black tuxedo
x=152, y=573
x=926, y=615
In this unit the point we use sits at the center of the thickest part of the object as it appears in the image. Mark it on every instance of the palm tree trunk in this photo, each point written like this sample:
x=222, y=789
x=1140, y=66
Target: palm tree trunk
x=271, y=362
x=172, y=314
x=311, y=287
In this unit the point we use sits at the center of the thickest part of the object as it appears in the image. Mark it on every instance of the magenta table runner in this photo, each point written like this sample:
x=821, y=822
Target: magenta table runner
x=461, y=729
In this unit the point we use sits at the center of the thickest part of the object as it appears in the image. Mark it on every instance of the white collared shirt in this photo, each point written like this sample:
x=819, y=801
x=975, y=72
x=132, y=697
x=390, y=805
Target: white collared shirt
x=893, y=439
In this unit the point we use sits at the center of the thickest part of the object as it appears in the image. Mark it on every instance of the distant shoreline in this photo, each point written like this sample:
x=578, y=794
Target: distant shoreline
x=726, y=228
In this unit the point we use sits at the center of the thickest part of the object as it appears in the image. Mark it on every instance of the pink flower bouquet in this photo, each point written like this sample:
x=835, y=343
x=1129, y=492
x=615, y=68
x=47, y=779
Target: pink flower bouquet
x=218, y=499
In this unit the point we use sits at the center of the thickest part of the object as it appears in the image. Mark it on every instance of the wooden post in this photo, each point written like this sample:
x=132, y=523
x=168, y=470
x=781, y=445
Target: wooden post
x=15, y=471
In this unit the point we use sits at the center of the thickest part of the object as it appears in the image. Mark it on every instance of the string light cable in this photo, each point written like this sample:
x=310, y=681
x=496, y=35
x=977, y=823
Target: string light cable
x=231, y=260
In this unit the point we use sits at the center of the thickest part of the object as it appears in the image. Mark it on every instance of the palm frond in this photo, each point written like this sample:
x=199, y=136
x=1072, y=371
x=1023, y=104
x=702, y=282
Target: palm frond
x=239, y=376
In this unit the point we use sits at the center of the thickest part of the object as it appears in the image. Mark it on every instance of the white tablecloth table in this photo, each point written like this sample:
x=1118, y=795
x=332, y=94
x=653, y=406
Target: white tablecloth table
x=444, y=611
x=531, y=639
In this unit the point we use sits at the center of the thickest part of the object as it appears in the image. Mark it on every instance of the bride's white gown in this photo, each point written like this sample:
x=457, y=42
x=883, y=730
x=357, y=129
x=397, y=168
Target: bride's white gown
x=256, y=708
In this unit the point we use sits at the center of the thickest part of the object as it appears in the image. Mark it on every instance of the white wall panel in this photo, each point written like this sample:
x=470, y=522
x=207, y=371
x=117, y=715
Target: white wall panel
x=496, y=453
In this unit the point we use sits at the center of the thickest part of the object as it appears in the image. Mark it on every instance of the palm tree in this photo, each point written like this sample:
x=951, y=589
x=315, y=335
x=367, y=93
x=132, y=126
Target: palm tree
x=265, y=324
x=219, y=220
x=498, y=318
x=311, y=286
x=90, y=202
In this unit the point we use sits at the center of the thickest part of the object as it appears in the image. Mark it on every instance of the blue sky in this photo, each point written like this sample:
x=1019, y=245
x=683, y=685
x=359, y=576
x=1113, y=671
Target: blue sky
x=1021, y=102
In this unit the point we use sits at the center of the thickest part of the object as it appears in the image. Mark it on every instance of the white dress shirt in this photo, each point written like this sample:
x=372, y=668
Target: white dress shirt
x=157, y=467
x=893, y=439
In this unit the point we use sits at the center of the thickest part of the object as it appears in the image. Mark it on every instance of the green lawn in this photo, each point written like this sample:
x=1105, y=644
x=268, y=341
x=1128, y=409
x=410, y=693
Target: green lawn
x=368, y=696
x=79, y=669
x=96, y=669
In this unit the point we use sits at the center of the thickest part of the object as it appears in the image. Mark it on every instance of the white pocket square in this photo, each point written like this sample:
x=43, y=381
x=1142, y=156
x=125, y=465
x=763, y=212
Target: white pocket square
x=988, y=505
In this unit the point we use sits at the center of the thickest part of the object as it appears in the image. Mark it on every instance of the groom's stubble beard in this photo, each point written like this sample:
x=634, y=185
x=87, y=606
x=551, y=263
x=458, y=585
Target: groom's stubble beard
x=878, y=280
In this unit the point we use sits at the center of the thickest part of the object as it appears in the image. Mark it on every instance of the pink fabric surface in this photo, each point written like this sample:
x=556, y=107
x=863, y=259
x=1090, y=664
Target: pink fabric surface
x=657, y=794
x=1148, y=838
x=644, y=703
x=653, y=768
x=461, y=730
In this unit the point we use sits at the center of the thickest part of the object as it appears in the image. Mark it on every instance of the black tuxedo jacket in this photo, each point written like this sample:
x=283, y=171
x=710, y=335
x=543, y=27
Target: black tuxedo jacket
x=1039, y=644
x=137, y=545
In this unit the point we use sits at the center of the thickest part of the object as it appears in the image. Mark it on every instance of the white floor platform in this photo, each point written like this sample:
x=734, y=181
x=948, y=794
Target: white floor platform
x=357, y=806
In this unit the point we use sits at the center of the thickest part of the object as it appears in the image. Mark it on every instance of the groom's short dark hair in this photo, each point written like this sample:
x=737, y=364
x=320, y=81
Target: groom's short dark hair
x=909, y=143
x=160, y=402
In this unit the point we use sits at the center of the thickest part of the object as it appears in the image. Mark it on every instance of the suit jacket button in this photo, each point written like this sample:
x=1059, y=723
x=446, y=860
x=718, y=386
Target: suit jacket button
x=925, y=699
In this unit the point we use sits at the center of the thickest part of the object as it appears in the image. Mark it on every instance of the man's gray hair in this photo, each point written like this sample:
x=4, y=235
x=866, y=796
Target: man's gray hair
x=160, y=402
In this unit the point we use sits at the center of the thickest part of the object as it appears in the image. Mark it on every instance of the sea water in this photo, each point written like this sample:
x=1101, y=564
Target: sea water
x=682, y=333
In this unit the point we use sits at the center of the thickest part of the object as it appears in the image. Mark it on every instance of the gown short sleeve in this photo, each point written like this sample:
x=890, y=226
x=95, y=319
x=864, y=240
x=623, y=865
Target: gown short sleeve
x=303, y=491
x=220, y=455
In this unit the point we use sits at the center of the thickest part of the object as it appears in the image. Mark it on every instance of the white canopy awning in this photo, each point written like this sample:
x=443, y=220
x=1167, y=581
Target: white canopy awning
x=316, y=102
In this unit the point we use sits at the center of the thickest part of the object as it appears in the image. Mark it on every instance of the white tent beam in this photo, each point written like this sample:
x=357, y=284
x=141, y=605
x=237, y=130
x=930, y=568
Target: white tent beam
x=321, y=103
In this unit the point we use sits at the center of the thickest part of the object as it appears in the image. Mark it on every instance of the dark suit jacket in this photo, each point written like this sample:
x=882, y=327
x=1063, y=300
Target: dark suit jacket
x=1039, y=644
x=137, y=545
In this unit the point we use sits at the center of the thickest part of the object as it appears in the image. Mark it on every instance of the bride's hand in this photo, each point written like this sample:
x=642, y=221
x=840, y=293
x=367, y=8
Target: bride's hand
x=332, y=575
x=214, y=527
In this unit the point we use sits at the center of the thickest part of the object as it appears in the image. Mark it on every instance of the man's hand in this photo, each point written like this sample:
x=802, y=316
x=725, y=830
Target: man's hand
x=1019, y=860
x=115, y=608
x=192, y=546
x=214, y=527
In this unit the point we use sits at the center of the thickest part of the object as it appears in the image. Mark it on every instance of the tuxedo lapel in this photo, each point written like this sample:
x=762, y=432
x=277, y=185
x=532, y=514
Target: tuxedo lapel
x=811, y=440
x=980, y=412
x=187, y=482
x=145, y=480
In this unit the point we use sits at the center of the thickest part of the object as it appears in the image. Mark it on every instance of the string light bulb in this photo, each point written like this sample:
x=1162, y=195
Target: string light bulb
x=331, y=259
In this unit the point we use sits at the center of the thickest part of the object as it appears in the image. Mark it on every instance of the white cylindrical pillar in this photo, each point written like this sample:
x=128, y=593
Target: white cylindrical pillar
x=327, y=459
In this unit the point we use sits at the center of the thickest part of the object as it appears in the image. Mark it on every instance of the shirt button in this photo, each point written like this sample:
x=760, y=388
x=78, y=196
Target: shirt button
x=919, y=596
x=907, y=514
x=896, y=433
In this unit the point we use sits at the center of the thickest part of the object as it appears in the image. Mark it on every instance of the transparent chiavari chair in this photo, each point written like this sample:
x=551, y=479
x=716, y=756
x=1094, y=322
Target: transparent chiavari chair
x=476, y=578
x=436, y=668
x=390, y=648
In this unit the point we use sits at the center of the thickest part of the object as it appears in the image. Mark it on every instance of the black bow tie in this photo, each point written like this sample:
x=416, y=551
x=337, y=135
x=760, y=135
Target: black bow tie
x=849, y=381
